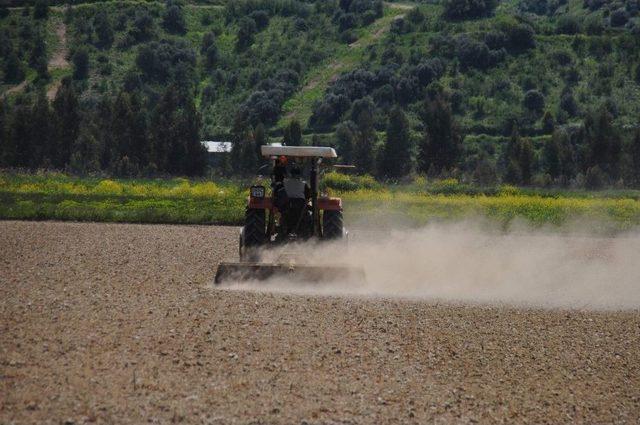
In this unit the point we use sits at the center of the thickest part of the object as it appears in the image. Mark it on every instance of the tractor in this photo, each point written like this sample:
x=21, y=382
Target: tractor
x=291, y=212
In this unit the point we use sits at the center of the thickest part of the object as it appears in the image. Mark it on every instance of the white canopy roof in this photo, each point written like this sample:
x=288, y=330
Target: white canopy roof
x=300, y=151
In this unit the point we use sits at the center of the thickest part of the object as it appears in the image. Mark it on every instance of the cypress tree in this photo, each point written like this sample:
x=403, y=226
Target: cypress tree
x=195, y=159
x=66, y=120
x=511, y=156
x=293, y=134
x=5, y=147
x=525, y=160
x=364, y=155
x=396, y=158
x=604, y=146
x=634, y=157
x=86, y=151
x=13, y=68
x=21, y=149
x=441, y=143
x=40, y=133
x=345, y=135
x=551, y=157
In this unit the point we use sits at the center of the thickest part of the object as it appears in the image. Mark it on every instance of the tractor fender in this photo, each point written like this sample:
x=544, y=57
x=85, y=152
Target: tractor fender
x=330, y=204
x=260, y=203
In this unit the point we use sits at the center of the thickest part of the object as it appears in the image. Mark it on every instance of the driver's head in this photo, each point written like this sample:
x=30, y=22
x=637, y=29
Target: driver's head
x=295, y=171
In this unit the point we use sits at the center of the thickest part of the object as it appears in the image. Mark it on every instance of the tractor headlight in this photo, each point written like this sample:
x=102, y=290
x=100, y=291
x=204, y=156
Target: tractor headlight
x=257, y=191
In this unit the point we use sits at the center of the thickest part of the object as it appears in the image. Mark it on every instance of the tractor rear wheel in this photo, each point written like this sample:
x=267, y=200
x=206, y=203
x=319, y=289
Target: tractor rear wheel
x=254, y=232
x=332, y=224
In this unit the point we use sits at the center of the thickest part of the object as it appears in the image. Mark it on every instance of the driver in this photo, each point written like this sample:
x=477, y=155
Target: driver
x=295, y=187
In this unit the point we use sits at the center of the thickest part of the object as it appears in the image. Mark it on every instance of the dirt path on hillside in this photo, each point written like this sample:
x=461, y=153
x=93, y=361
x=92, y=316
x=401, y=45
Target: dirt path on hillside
x=117, y=323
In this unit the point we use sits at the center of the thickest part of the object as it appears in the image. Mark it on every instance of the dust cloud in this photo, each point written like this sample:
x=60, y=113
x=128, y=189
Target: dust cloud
x=475, y=263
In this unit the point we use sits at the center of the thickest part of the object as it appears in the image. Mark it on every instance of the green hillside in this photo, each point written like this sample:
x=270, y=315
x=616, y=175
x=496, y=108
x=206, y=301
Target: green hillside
x=531, y=92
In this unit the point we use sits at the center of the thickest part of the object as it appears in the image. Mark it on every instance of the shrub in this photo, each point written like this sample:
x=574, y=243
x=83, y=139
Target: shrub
x=247, y=29
x=619, y=17
x=472, y=54
x=261, y=18
x=568, y=24
x=80, y=64
x=41, y=9
x=347, y=183
x=159, y=61
x=521, y=37
x=173, y=20
x=103, y=30
x=568, y=103
x=346, y=21
x=595, y=178
x=143, y=27
x=468, y=9
x=534, y=100
x=593, y=25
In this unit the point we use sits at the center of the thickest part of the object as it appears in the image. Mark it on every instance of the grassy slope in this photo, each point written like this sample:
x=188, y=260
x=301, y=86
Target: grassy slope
x=345, y=58
x=481, y=104
x=60, y=197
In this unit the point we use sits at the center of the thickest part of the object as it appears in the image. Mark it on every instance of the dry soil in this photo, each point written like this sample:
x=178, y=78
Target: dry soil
x=113, y=323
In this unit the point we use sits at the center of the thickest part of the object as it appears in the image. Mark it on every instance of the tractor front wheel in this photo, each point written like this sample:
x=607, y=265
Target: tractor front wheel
x=332, y=224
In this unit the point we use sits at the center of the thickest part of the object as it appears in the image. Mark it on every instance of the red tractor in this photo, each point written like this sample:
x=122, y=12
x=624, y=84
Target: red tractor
x=292, y=211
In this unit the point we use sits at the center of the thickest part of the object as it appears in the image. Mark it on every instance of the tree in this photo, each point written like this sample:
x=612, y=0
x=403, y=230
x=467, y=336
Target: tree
x=130, y=134
x=518, y=157
x=41, y=9
x=619, y=17
x=395, y=161
x=485, y=171
x=20, y=148
x=209, y=50
x=66, y=119
x=38, y=56
x=364, y=154
x=568, y=103
x=511, y=156
x=345, y=139
x=534, y=101
x=173, y=19
x=6, y=147
x=195, y=159
x=80, y=64
x=548, y=122
x=261, y=18
x=441, y=142
x=467, y=9
x=551, y=157
x=13, y=68
x=244, y=158
x=86, y=151
x=175, y=133
x=143, y=27
x=104, y=30
x=293, y=134
x=41, y=132
x=246, y=31
x=525, y=161
x=603, y=143
x=260, y=138
x=634, y=157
